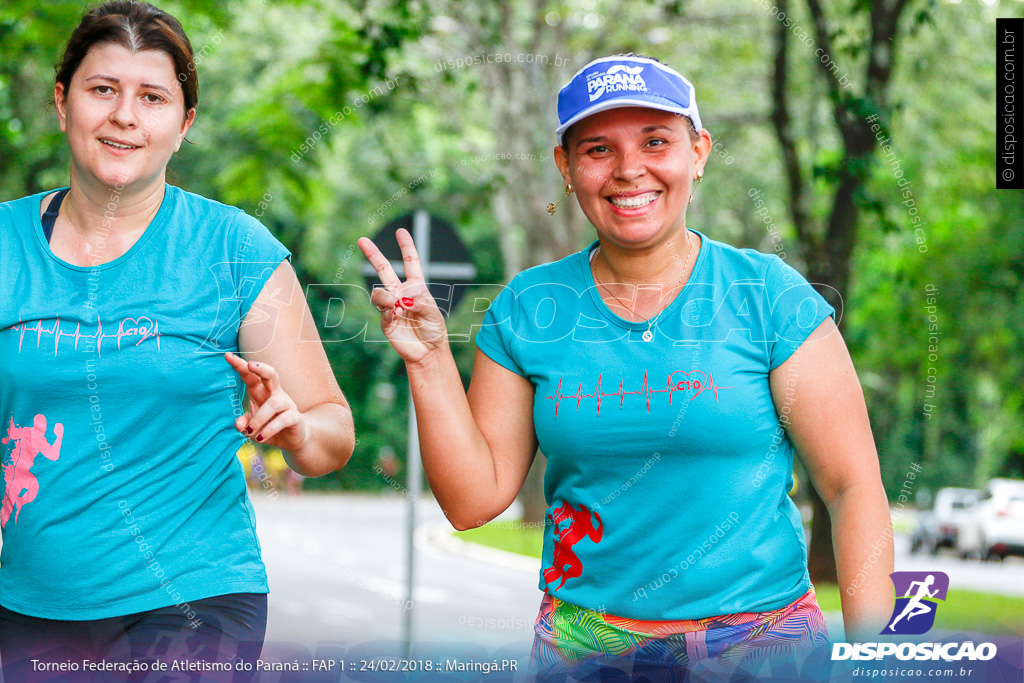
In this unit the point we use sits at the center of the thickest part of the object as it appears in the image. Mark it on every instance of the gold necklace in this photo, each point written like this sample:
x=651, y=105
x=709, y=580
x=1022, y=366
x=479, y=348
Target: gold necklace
x=647, y=335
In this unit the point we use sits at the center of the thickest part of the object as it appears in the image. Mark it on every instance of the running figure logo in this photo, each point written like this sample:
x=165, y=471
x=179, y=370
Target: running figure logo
x=916, y=593
x=20, y=485
x=570, y=527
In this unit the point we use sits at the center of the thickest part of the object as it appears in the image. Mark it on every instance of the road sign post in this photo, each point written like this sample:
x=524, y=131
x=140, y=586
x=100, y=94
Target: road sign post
x=446, y=263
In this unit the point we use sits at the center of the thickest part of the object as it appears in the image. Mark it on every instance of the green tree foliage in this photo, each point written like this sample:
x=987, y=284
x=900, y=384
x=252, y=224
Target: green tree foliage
x=277, y=75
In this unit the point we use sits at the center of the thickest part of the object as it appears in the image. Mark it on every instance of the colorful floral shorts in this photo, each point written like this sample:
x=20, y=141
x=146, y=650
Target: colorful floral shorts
x=579, y=642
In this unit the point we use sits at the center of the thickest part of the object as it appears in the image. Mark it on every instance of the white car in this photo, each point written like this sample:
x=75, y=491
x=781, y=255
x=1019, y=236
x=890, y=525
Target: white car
x=939, y=527
x=995, y=525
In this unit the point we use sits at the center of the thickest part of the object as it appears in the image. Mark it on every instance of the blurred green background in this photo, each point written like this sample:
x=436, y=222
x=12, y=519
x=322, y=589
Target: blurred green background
x=471, y=105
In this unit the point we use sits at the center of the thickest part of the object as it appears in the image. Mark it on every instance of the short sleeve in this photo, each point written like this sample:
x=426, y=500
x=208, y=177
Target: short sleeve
x=496, y=335
x=795, y=310
x=255, y=255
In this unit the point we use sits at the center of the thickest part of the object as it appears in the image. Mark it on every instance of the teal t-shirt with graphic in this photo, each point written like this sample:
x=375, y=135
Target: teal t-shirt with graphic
x=121, y=489
x=668, y=467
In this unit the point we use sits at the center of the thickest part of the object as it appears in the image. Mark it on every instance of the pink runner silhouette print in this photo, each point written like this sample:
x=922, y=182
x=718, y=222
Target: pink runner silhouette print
x=21, y=486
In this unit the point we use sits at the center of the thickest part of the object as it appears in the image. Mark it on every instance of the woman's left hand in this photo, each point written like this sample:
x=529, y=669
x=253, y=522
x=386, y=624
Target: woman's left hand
x=273, y=418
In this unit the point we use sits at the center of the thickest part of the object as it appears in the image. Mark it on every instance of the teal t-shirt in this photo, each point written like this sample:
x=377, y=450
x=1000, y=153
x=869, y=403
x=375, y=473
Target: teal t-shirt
x=121, y=488
x=668, y=467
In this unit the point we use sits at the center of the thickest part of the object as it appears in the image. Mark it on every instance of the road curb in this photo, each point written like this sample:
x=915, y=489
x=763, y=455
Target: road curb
x=439, y=535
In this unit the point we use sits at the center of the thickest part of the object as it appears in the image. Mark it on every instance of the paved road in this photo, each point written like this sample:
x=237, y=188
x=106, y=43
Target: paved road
x=336, y=566
x=1005, y=578
x=337, y=563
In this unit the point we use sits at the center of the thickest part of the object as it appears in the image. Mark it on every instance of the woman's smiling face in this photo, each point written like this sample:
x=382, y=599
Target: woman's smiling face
x=633, y=169
x=124, y=115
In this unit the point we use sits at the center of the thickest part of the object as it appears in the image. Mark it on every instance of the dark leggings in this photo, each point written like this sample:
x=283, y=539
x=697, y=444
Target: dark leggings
x=227, y=629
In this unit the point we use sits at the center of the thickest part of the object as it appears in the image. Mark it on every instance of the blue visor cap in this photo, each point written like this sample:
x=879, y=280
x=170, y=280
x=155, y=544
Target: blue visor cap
x=614, y=82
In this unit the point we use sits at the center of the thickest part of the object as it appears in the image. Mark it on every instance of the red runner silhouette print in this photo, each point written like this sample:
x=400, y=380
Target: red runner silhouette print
x=571, y=525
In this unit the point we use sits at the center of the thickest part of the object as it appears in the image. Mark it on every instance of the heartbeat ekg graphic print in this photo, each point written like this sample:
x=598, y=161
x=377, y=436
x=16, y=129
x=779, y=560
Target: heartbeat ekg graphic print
x=673, y=383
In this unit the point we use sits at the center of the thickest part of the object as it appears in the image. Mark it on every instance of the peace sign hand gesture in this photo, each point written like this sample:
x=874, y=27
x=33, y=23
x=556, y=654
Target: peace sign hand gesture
x=409, y=316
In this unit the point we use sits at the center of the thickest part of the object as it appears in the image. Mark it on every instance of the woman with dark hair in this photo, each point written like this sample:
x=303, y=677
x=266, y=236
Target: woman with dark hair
x=669, y=378
x=126, y=308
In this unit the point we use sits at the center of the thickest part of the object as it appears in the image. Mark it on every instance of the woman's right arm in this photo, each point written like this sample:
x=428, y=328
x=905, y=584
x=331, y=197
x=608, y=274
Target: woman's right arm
x=476, y=449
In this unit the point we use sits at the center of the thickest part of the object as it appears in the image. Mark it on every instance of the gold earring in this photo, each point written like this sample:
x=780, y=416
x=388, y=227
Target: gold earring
x=554, y=205
x=700, y=175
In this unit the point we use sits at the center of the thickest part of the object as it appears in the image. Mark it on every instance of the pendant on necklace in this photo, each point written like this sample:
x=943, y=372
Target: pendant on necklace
x=648, y=335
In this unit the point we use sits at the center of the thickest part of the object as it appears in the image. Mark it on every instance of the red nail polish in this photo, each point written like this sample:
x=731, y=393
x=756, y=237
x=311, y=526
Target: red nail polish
x=248, y=430
x=259, y=438
x=407, y=302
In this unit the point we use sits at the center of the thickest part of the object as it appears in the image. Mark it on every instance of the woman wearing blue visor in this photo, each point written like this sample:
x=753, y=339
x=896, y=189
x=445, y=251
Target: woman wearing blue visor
x=669, y=378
